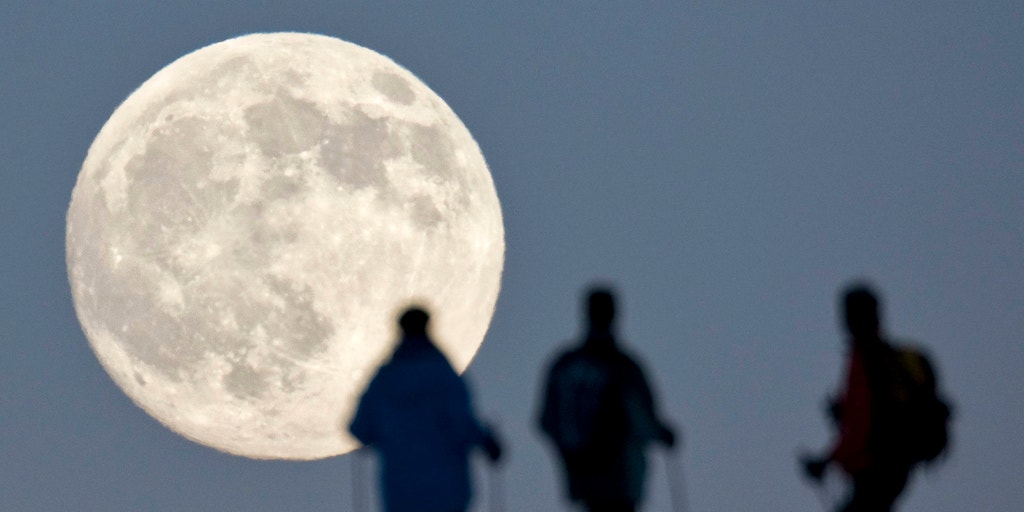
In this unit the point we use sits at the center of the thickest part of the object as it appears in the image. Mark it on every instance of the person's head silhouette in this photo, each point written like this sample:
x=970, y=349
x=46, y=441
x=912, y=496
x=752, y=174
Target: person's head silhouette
x=861, y=311
x=600, y=307
x=414, y=321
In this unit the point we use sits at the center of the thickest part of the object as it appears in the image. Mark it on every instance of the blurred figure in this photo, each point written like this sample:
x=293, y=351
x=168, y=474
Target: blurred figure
x=599, y=413
x=416, y=414
x=889, y=416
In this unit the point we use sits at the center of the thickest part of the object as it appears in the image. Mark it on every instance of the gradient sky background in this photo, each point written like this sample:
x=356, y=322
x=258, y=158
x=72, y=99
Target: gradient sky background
x=728, y=167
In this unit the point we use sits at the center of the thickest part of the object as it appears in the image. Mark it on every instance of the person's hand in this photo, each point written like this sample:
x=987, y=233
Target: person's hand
x=491, y=447
x=814, y=467
x=833, y=408
x=668, y=437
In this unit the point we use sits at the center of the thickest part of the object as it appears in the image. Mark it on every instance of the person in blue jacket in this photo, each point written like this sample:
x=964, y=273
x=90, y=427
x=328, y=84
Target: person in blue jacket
x=417, y=415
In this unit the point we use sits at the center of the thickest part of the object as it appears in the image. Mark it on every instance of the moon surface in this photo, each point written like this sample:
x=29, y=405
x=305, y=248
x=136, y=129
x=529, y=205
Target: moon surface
x=249, y=223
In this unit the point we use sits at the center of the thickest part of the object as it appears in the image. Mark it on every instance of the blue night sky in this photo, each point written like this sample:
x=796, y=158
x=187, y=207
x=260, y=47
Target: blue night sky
x=728, y=167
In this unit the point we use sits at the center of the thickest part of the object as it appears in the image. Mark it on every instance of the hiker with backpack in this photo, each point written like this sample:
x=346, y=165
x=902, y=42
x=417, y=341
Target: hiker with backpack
x=599, y=413
x=890, y=416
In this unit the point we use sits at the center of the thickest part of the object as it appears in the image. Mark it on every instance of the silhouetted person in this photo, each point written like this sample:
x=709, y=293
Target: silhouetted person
x=599, y=413
x=416, y=414
x=889, y=416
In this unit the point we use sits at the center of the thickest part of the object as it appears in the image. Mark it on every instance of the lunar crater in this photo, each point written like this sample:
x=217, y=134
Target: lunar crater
x=353, y=153
x=286, y=125
x=394, y=87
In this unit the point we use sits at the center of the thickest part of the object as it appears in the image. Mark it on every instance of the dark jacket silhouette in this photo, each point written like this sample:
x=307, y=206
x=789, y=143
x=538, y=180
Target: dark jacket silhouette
x=416, y=413
x=599, y=413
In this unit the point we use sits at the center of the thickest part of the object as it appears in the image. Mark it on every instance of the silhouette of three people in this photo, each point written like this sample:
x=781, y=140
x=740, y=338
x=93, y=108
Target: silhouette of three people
x=599, y=413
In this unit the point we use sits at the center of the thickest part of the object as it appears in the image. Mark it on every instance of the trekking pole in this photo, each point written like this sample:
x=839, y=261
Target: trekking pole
x=496, y=494
x=676, y=484
x=823, y=497
x=496, y=491
x=358, y=482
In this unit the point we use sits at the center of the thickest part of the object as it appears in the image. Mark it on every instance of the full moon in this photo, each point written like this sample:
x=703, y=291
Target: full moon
x=249, y=223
